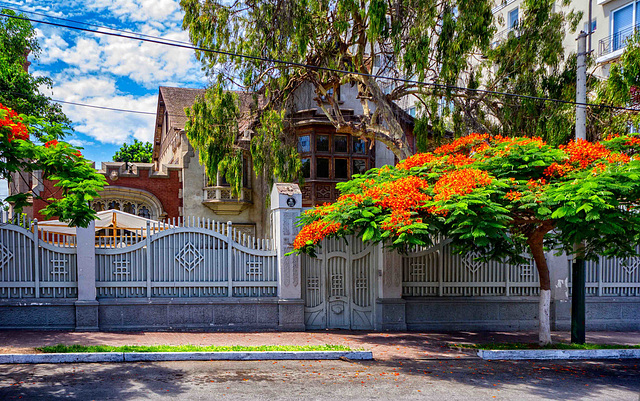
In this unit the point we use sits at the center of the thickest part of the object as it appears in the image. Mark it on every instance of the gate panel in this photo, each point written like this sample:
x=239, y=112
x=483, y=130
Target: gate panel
x=338, y=310
x=315, y=316
x=339, y=286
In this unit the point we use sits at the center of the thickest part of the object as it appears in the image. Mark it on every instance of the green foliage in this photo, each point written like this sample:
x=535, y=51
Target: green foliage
x=528, y=60
x=496, y=196
x=213, y=130
x=77, y=181
x=20, y=90
x=620, y=89
x=137, y=152
x=425, y=39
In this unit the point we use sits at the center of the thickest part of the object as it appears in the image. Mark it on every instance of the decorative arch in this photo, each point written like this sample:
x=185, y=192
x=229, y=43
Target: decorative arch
x=130, y=200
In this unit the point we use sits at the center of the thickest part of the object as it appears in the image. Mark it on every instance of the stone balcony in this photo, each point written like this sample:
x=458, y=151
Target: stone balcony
x=222, y=201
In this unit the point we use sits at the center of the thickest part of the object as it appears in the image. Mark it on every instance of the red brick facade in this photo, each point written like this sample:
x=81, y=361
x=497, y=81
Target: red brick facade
x=140, y=182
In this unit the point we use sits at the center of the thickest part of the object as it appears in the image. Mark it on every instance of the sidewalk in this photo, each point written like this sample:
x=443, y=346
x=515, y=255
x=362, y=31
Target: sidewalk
x=385, y=346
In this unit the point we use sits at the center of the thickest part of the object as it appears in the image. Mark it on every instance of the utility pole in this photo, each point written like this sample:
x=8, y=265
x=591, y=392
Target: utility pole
x=578, y=274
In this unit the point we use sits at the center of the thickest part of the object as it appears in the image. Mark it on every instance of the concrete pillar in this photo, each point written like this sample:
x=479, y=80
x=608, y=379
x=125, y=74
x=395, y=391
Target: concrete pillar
x=286, y=205
x=86, y=305
x=390, y=307
x=560, y=305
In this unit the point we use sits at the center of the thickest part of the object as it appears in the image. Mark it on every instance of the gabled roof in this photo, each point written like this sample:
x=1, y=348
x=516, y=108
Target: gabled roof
x=176, y=100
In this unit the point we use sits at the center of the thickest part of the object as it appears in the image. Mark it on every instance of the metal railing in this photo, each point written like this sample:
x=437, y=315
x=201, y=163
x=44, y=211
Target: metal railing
x=225, y=193
x=617, y=41
x=503, y=35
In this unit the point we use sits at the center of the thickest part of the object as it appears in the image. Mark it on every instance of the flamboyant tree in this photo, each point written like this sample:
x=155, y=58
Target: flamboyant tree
x=500, y=197
x=77, y=182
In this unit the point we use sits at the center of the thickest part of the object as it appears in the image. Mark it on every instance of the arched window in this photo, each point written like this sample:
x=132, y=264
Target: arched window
x=129, y=200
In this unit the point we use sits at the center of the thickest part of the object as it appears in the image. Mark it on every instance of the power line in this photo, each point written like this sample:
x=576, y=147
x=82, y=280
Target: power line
x=93, y=106
x=90, y=24
x=153, y=39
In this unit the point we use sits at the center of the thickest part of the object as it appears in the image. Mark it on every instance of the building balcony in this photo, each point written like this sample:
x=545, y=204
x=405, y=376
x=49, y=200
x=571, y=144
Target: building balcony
x=221, y=200
x=612, y=47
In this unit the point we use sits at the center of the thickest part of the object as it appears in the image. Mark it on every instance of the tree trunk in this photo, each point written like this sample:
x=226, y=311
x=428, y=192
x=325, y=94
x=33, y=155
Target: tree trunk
x=535, y=242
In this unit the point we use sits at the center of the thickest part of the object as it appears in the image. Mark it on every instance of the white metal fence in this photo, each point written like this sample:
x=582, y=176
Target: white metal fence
x=436, y=271
x=34, y=264
x=612, y=277
x=189, y=259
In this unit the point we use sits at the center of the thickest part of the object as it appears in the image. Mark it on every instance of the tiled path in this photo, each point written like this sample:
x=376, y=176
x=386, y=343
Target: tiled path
x=385, y=346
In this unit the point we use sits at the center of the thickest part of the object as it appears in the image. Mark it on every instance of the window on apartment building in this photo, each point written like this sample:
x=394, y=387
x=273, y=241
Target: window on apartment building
x=513, y=18
x=594, y=26
x=412, y=111
x=622, y=24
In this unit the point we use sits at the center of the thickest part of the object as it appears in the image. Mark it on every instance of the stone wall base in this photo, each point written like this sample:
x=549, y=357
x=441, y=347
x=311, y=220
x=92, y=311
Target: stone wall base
x=247, y=314
x=291, y=315
x=516, y=313
x=390, y=315
x=37, y=314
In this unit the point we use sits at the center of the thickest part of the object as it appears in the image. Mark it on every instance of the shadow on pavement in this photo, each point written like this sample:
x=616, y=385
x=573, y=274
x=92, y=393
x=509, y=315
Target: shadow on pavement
x=88, y=381
x=559, y=380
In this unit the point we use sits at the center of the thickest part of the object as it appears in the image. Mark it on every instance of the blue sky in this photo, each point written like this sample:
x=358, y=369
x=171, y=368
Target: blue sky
x=108, y=71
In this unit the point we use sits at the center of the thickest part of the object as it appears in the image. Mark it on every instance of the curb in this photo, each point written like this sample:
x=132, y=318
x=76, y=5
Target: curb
x=183, y=356
x=555, y=354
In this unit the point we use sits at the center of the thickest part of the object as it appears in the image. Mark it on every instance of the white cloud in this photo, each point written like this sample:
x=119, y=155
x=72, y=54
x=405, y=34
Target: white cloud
x=106, y=126
x=80, y=142
x=149, y=64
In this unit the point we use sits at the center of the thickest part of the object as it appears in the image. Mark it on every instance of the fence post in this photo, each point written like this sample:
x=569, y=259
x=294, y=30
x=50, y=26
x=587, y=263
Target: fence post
x=150, y=263
x=230, y=259
x=390, y=306
x=86, y=305
x=286, y=205
x=36, y=257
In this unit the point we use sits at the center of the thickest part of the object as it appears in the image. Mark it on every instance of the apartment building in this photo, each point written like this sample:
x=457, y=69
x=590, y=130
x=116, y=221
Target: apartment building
x=613, y=22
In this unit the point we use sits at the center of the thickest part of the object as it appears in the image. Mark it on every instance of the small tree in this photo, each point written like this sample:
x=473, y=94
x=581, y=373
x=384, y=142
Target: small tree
x=20, y=90
x=77, y=181
x=137, y=152
x=497, y=196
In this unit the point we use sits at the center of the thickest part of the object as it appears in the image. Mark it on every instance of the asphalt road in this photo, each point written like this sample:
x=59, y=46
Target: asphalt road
x=450, y=379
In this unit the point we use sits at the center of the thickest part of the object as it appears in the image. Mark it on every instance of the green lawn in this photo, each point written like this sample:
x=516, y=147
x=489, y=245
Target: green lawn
x=60, y=348
x=523, y=346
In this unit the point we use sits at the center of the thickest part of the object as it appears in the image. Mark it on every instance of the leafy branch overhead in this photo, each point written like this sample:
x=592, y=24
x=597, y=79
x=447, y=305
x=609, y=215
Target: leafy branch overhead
x=20, y=90
x=426, y=40
x=214, y=130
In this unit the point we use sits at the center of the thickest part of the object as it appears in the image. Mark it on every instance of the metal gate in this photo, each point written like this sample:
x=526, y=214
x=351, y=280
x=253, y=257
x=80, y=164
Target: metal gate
x=339, y=286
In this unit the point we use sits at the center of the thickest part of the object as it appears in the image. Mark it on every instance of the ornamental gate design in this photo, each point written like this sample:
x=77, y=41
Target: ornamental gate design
x=197, y=258
x=339, y=286
x=34, y=264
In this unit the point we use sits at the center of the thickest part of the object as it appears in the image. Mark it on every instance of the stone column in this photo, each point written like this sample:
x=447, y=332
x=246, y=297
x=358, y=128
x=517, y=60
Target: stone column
x=560, y=305
x=390, y=307
x=286, y=205
x=86, y=305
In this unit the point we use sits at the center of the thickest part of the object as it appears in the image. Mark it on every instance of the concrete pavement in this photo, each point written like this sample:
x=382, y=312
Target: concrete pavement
x=385, y=346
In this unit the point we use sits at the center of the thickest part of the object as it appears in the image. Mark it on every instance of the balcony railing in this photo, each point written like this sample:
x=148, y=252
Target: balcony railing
x=503, y=35
x=617, y=41
x=222, y=200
